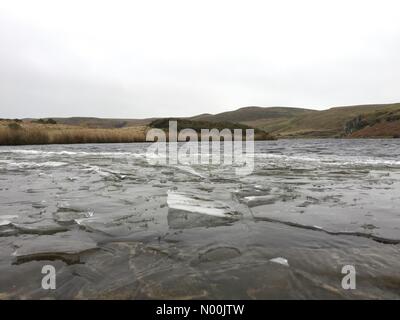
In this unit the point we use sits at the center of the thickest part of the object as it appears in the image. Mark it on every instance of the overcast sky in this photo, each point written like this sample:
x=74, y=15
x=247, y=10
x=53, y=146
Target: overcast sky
x=149, y=58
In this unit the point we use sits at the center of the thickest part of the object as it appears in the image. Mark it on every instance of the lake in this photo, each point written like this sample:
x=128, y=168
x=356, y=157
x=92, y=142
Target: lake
x=116, y=227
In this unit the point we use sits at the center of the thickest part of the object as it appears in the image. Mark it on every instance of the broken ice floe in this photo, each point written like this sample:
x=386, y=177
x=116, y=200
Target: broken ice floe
x=67, y=248
x=67, y=215
x=106, y=173
x=280, y=260
x=189, y=210
x=44, y=227
x=253, y=201
x=5, y=220
x=39, y=228
x=201, y=204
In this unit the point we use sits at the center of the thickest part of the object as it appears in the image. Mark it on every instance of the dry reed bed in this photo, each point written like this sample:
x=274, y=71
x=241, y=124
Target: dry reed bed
x=37, y=135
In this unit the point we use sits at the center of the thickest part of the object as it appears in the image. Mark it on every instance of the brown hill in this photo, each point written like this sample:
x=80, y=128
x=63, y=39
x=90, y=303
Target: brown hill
x=333, y=122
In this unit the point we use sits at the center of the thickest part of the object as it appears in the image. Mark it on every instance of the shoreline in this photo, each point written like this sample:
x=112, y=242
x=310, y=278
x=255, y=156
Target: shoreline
x=144, y=141
x=28, y=133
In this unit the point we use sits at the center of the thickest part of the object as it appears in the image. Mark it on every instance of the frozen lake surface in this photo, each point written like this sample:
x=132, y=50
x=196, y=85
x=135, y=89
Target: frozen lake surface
x=116, y=227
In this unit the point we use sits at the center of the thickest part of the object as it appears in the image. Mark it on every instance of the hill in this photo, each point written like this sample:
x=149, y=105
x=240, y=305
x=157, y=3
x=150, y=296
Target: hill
x=339, y=121
x=375, y=120
x=269, y=119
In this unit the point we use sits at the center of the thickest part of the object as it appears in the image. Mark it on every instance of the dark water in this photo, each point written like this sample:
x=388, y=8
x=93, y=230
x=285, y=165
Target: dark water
x=116, y=227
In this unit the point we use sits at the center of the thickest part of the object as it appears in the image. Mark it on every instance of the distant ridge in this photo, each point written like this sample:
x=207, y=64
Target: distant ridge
x=104, y=123
x=253, y=113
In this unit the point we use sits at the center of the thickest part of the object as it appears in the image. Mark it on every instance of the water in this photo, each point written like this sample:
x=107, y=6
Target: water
x=115, y=227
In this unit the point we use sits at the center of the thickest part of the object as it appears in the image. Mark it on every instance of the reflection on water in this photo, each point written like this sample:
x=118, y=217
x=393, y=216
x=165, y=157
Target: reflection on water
x=116, y=227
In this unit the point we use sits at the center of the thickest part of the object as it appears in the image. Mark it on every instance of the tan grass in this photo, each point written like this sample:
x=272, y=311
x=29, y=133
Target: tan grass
x=31, y=134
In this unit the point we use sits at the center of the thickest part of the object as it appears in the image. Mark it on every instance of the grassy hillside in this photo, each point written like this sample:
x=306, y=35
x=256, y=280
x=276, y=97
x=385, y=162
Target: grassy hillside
x=334, y=122
x=253, y=113
x=384, y=122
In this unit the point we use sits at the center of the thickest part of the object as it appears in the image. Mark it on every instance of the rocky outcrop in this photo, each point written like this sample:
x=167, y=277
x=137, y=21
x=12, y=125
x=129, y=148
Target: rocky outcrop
x=355, y=124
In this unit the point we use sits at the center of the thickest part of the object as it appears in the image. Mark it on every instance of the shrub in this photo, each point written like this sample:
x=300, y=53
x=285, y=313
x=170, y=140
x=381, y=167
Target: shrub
x=51, y=121
x=14, y=126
